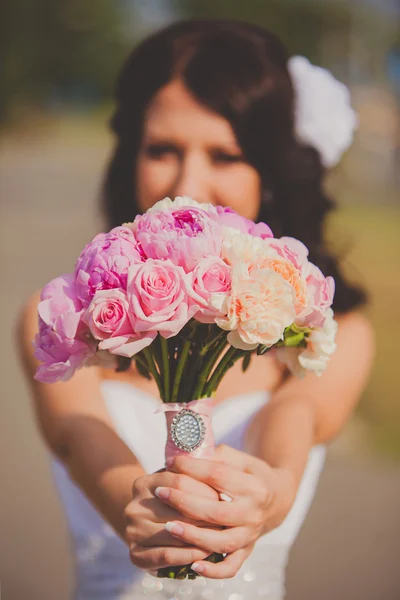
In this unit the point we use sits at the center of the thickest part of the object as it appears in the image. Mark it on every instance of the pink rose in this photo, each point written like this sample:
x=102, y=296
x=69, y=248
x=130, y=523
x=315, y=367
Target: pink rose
x=159, y=295
x=63, y=342
x=321, y=291
x=184, y=236
x=230, y=218
x=210, y=277
x=103, y=264
x=109, y=321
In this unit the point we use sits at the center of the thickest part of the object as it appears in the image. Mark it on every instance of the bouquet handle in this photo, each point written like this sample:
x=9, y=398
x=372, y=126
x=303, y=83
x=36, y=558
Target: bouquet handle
x=189, y=433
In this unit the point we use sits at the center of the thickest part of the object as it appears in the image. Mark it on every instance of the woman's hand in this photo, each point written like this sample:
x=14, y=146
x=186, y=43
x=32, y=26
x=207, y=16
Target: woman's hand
x=261, y=498
x=151, y=545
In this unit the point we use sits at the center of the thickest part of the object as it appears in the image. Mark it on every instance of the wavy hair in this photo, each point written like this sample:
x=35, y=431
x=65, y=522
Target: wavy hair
x=239, y=71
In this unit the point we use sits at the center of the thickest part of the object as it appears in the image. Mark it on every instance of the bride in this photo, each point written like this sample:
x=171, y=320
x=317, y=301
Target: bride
x=215, y=110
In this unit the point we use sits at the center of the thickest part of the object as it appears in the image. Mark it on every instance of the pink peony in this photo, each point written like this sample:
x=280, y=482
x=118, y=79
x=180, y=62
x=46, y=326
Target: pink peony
x=290, y=249
x=184, y=236
x=160, y=297
x=63, y=343
x=230, y=218
x=321, y=291
x=260, y=307
x=211, y=276
x=103, y=264
x=109, y=321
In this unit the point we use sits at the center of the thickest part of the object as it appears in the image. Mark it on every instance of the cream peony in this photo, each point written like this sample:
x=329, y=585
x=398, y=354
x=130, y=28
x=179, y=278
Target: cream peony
x=260, y=307
x=238, y=247
x=180, y=202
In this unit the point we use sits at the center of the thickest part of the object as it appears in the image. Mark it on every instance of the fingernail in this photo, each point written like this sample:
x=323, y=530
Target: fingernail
x=225, y=497
x=162, y=493
x=170, y=462
x=174, y=528
x=197, y=567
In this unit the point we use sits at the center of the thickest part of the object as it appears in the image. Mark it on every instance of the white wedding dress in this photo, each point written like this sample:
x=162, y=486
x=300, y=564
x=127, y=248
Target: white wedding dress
x=103, y=567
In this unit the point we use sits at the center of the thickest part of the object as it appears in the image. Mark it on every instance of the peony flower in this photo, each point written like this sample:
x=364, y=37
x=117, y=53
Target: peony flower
x=324, y=117
x=184, y=235
x=109, y=321
x=288, y=272
x=260, y=307
x=290, y=249
x=238, y=247
x=168, y=205
x=230, y=218
x=315, y=357
x=321, y=291
x=103, y=264
x=160, y=297
x=211, y=276
x=63, y=343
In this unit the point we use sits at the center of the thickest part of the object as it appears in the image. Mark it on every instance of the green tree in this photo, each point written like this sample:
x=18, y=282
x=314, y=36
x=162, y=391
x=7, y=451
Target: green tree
x=50, y=46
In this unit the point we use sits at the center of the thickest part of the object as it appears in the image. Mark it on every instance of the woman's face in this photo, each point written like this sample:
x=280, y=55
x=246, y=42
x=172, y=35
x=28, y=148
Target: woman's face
x=189, y=150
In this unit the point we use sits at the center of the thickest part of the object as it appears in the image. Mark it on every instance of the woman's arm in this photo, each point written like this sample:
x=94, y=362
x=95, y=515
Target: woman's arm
x=303, y=413
x=77, y=428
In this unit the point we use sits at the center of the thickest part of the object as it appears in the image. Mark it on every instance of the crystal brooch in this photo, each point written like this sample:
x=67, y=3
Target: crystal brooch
x=187, y=430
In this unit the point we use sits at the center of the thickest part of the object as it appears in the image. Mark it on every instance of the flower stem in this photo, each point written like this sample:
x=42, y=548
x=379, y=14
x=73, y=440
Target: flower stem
x=165, y=367
x=181, y=365
x=199, y=391
x=225, y=363
x=153, y=369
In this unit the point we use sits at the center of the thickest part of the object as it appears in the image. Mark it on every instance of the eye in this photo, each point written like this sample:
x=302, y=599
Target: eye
x=158, y=151
x=221, y=157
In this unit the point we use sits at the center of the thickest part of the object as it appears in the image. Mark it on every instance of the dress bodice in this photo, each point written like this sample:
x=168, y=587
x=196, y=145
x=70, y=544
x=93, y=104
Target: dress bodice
x=103, y=567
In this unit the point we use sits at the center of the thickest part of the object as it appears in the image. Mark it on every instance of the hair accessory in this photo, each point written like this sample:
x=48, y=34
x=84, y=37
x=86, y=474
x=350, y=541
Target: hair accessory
x=324, y=117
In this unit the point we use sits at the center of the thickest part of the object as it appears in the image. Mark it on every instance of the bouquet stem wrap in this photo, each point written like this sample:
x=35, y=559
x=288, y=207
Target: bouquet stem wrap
x=204, y=449
x=203, y=408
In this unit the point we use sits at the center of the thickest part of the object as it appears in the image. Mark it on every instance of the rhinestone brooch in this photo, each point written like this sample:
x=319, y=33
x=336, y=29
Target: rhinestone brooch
x=187, y=430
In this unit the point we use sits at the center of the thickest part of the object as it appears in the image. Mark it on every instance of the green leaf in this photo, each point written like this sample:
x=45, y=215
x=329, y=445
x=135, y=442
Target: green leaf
x=298, y=329
x=143, y=370
x=246, y=362
x=294, y=340
x=261, y=349
x=123, y=364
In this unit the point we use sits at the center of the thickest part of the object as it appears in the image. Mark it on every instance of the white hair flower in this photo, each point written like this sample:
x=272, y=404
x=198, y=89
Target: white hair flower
x=324, y=117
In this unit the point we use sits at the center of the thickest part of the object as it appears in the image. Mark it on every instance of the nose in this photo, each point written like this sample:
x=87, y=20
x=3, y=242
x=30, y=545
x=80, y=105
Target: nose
x=192, y=179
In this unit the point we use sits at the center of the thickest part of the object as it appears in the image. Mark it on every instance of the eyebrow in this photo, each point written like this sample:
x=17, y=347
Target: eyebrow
x=158, y=138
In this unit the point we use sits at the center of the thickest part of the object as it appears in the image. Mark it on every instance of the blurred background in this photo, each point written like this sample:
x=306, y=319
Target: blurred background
x=59, y=61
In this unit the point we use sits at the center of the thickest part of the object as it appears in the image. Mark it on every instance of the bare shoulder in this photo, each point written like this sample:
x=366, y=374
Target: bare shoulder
x=357, y=326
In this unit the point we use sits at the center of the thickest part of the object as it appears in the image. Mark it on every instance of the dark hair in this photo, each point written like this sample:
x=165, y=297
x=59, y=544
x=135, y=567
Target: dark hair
x=240, y=71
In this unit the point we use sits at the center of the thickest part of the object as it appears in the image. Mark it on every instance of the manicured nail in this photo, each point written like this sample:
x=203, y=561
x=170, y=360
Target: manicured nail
x=197, y=567
x=174, y=528
x=170, y=462
x=225, y=497
x=162, y=493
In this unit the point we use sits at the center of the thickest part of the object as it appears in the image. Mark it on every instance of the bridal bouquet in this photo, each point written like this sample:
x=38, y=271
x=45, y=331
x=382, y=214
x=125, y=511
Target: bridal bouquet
x=185, y=291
